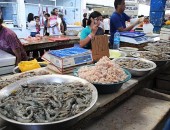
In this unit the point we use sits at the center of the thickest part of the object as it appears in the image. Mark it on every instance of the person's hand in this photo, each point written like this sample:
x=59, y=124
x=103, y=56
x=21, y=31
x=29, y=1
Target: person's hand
x=94, y=29
x=137, y=22
x=56, y=23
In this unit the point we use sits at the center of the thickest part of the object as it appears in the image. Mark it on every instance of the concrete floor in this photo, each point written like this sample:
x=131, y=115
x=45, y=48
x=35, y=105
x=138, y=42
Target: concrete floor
x=138, y=113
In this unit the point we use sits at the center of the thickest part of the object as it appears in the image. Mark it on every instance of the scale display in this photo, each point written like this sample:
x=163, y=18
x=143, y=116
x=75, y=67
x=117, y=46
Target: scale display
x=132, y=34
x=133, y=37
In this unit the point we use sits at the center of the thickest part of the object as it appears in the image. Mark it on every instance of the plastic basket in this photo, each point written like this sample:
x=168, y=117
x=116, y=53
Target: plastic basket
x=156, y=18
x=157, y=29
x=157, y=5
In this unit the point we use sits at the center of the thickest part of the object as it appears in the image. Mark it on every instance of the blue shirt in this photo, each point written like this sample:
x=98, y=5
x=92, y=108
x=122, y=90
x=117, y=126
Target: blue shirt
x=116, y=21
x=86, y=31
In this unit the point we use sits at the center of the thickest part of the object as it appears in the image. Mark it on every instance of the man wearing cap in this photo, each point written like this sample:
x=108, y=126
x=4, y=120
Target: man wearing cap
x=10, y=43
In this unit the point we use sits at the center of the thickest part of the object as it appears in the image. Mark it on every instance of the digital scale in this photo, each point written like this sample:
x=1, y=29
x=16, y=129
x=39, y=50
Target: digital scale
x=7, y=62
x=133, y=37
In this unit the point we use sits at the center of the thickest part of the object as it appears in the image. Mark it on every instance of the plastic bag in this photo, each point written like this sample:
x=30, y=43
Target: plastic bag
x=28, y=65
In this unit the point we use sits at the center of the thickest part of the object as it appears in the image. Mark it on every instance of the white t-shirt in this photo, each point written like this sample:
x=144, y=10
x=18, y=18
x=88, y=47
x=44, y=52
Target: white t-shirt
x=101, y=25
x=32, y=26
x=54, y=30
x=148, y=28
x=106, y=23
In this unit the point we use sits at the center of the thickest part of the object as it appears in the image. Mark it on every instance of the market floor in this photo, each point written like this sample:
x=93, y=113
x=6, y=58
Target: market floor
x=138, y=113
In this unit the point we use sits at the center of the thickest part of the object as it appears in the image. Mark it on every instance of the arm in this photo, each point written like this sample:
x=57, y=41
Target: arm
x=17, y=53
x=15, y=45
x=44, y=31
x=86, y=38
x=62, y=27
x=85, y=41
x=127, y=18
x=48, y=23
x=121, y=29
x=116, y=21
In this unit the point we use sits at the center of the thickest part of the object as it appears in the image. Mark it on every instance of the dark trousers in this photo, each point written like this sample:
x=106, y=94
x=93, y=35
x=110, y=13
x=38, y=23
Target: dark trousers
x=106, y=32
x=33, y=34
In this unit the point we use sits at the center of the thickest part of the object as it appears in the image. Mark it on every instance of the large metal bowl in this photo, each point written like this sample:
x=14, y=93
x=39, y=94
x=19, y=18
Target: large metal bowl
x=48, y=79
x=159, y=62
x=137, y=72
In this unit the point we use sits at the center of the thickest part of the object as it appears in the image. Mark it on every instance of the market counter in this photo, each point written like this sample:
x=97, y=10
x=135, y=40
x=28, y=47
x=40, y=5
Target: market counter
x=46, y=43
x=110, y=101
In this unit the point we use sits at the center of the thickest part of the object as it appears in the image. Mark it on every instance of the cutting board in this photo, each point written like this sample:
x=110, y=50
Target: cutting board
x=54, y=39
x=100, y=47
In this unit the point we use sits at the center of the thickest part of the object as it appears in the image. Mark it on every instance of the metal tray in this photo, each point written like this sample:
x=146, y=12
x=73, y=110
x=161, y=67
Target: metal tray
x=48, y=79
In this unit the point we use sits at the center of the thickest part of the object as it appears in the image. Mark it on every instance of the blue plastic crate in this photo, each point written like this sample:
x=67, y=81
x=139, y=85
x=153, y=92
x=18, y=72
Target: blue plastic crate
x=157, y=29
x=156, y=22
x=157, y=5
x=156, y=18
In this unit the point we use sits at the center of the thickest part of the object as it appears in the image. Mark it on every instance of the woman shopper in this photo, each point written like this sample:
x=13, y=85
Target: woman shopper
x=33, y=24
x=91, y=30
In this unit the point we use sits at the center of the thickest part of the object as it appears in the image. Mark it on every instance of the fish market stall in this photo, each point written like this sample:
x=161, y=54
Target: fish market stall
x=104, y=102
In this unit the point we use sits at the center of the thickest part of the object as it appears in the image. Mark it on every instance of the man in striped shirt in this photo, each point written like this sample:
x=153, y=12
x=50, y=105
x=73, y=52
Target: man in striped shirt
x=10, y=43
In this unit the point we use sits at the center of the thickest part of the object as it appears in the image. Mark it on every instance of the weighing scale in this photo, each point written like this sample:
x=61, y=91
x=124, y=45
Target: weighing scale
x=133, y=37
x=7, y=62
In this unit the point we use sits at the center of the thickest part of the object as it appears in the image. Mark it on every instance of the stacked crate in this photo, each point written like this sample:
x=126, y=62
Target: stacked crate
x=157, y=12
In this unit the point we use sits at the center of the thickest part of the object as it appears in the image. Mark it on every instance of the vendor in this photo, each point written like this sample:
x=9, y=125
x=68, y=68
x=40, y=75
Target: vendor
x=10, y=43
x=118, y=19
x=92, y=29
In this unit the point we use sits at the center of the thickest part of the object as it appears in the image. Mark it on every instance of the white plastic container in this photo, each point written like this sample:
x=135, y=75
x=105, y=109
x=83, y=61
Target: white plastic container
x=148, y=28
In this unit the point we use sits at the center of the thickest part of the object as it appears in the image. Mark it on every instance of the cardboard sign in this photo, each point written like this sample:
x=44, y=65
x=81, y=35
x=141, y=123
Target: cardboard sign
x=100, y=47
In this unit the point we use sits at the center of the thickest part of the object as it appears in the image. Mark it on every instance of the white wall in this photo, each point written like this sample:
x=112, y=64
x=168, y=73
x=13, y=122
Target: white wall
x=72, y=10
x=143, y=9
x=101, y=2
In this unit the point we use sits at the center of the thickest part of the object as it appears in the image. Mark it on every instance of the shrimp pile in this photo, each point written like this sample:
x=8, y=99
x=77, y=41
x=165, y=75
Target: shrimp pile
x=38, y=37
x=104, y=72
x=7, y=81
x=42, y=103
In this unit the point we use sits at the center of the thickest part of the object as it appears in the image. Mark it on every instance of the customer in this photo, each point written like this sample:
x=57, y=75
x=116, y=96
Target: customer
x=45, y=31
x=84, y=21
x=106, y=23
x=91, y=30
x=37, y=20
x=63, y=24
x=53, y=25
x=118, y=19
x=33, y=24
x=10, y=43
x=56, y=11
x=101, y=22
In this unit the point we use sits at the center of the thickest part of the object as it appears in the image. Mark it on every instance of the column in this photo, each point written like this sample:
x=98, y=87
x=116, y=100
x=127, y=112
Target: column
x=157, y=12
x=21, y=14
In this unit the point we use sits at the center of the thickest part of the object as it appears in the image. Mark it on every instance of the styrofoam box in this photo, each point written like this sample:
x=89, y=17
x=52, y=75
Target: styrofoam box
x=68, y=61
x=6, y=70
x=6, y=59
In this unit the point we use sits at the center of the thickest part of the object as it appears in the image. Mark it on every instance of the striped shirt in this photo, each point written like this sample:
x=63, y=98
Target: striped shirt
x=9, y=41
